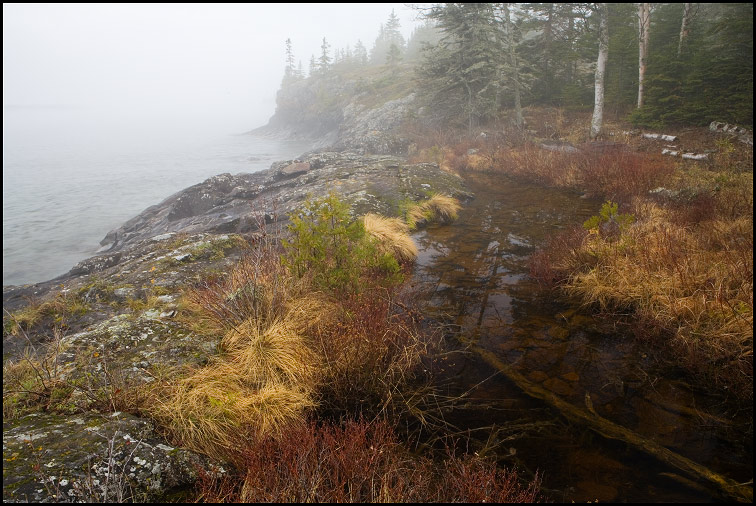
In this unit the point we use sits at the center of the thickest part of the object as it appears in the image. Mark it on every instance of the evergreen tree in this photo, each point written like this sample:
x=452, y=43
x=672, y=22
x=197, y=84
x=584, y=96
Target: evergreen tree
x=324, y=62
x=289, y=71
x=393, y=56
x=621, y=88
x=313, y=66
x=462, y=74
x=558, y=52
x=424, y=36
x=388, y=35
x=360, y=53
x=712, y=78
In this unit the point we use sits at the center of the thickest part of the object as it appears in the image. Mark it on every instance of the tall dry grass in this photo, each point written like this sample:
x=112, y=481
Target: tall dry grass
x=691, y=282
x=439, y=208
x=290, y=351
x=392, y=236
x=218, y=409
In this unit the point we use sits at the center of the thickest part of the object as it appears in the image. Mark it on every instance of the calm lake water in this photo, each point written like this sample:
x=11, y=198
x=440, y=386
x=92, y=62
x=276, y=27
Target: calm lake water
x=71, y=175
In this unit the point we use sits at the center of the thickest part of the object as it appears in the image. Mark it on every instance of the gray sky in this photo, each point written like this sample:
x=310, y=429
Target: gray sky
x=215, y=63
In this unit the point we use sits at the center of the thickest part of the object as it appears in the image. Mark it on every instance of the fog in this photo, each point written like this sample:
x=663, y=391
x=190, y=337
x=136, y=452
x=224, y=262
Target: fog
x=181, y=67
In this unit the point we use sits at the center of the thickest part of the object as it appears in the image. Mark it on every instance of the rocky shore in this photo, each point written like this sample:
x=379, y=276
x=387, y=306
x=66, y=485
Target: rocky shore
x=118, y=321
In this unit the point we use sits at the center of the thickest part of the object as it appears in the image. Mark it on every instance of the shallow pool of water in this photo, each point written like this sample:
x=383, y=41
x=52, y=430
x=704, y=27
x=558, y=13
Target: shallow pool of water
x=476, y=274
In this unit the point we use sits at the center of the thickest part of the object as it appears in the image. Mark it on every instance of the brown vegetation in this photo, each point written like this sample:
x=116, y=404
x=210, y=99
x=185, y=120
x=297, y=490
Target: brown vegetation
x=684, y=269
x=392, y=235
x=297, y=364
x=359, y=462
x=436, y=209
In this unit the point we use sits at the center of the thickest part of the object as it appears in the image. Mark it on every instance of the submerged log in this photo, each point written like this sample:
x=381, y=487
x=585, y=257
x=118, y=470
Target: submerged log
x=730, y=488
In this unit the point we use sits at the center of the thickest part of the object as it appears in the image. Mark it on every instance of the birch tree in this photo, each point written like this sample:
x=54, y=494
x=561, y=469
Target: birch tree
x=687, y=12
x=644, y=23
x=603, y=56
x=513, y=63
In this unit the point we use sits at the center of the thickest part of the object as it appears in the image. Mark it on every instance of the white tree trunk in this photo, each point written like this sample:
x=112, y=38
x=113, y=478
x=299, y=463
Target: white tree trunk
x=603, y=55
x=687, y=8
x=644, y=22
x=515, y=70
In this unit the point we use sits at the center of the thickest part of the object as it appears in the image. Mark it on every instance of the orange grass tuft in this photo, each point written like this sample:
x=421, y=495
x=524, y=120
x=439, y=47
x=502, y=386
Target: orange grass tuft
x=392, y=236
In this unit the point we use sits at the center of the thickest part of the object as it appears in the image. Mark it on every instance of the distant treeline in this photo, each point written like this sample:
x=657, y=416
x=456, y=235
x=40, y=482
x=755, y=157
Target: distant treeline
x=664, y=63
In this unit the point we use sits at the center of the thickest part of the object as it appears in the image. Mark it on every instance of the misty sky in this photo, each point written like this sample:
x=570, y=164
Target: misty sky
x=219, y=64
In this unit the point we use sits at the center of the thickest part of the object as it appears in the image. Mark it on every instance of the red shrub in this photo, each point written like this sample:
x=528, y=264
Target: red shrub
x=359, y=462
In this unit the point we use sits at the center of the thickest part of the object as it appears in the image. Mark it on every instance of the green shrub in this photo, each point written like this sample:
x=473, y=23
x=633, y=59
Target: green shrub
x=608, y=215
x=333, y=249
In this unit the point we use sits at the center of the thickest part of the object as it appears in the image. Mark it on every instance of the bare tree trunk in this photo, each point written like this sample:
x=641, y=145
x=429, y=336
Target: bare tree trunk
x=687, y=8
x=516, y=73
x=603, y=55
x=644, y=22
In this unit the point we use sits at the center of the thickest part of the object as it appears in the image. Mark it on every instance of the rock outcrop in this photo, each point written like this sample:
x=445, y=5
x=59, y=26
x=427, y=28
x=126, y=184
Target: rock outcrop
x=343, y=111
x=237, y=204
x=93, y=458
x=120, y=325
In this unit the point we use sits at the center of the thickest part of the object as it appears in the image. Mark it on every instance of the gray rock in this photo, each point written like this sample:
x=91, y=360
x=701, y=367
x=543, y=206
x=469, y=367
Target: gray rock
x=226, y=203
x=562, y=148
x=93, y=458
x=742, y=134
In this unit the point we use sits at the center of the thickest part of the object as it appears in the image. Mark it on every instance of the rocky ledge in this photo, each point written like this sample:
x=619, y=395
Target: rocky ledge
x=119, y=325
x=237, y=204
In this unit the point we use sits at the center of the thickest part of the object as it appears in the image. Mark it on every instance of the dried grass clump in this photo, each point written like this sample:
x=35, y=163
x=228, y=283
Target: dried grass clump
x=274, y=353
x=219, y=409
x=695, y=282
x=256, y=286
x=438, y=208
x=392, y=236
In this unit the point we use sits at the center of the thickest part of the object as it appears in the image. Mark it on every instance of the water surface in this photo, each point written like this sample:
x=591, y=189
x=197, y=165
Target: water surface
x=71, y=175
x=476, y=275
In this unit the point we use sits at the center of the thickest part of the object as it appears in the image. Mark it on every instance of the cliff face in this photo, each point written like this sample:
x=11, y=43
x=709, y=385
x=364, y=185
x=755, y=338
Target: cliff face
x=358, y=110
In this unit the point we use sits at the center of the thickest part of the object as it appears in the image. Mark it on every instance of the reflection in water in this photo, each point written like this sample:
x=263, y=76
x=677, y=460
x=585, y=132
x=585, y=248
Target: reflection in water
x=475, y=272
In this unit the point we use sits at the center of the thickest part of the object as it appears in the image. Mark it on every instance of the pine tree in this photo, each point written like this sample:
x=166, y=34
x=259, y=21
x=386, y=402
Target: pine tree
x=462, y=74
x=360, y=53
x=393, y=56
x=424, y=36
x=711, y=79
x=324, y=62
x=289, y=71
x=388, y=35
x=313, y=66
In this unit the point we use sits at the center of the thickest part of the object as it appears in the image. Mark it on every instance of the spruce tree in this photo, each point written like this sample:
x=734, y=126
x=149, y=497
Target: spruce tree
x=360, y=53
x=289, y=71
x=324, y=62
